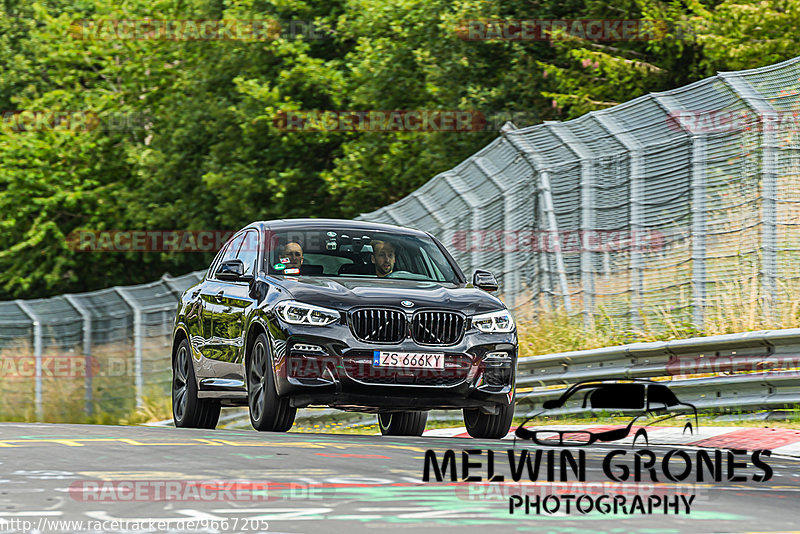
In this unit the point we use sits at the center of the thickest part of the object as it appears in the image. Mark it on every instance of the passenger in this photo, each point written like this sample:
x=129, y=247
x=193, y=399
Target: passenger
x=383, y=257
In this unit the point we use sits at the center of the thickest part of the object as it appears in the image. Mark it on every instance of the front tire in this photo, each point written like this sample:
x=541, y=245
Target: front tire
x=481, y=425
x=189, y=411
x=402, y=423
x=268, y=411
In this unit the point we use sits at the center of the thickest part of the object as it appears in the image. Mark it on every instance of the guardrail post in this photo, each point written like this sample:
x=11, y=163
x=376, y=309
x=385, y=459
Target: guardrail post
x=769, y=186
x=87, y=348
x=37, y=354
x=137, y=342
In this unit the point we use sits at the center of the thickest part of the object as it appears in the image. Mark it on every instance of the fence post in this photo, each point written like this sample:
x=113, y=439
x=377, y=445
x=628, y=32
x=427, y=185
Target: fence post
x=536, y=258
x=546, y=197
x=37, y=354
x=634, y=148
x=432, y=211
x=587, y=214
x=698, y=231
x=474, y=202
x=769, y=185
x=510, y=272
x=698, y=209
x=87, y=348
x=546, y=277
x=444, y=234
x=137, y=341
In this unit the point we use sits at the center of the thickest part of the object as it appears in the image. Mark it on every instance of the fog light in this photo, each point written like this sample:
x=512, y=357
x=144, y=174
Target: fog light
x=307, y=348
x=496, y=359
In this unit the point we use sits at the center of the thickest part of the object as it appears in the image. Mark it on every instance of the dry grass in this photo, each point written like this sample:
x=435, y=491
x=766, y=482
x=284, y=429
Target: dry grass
x=64, y=385
x=153, y=409
x=731, y=307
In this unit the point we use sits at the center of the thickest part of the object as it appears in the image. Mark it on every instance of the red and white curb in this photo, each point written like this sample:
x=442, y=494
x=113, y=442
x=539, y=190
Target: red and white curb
x=782, y=441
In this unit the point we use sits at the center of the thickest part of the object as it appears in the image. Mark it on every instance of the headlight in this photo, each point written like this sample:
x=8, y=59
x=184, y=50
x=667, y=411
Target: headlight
x=499, y=321
x=294, y=312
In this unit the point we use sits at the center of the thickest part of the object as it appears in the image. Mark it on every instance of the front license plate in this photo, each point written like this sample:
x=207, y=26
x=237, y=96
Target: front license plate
x=416, y=360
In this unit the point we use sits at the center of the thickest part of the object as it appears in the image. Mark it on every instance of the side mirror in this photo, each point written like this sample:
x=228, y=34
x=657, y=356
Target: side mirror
x=230, y=270
x=551, y=404
x=258, y=288
x=484, y=280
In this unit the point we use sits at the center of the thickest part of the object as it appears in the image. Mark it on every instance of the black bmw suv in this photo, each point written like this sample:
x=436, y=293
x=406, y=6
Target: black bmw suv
x=352, y=315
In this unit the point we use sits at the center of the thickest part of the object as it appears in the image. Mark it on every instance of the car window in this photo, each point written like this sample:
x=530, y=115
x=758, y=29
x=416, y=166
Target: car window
x=431, y=266
x=231, y=250
x=330, y=264
x=217, y=260
x=352, y=252
x=248, y=251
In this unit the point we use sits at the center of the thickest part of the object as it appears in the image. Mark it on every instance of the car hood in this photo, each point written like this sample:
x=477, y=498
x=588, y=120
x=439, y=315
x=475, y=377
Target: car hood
x=346, y=293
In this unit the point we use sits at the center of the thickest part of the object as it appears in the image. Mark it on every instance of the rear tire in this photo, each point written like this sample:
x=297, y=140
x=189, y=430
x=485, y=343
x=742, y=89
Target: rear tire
x=268, y=411
x=402, y=423
x=189, y=411
x=481, y=425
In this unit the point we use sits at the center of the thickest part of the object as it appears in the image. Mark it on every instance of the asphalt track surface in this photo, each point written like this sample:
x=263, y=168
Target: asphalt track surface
x=298, y=482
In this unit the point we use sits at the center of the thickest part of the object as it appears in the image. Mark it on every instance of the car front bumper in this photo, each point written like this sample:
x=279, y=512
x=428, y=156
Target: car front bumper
x=329, y=366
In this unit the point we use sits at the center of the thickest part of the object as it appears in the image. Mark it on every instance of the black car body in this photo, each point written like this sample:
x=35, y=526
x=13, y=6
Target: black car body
x=334, y=332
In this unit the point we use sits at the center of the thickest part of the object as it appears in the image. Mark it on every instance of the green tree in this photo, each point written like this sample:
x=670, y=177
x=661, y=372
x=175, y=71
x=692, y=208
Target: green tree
x=205, y=148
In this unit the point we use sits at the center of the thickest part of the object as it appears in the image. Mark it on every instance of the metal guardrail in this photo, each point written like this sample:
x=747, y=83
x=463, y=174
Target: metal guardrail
x=750, y=371
x=775, y=352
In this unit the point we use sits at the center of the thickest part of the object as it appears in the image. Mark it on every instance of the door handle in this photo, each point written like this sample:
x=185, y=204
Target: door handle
x=218, y=296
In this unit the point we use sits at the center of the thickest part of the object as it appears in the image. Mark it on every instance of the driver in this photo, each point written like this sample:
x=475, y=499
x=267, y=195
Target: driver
x=294, y=252
x=383, y=257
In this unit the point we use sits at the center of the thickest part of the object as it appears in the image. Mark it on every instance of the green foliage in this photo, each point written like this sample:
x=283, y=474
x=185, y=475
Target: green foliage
x=737, y=35
x=204, y=150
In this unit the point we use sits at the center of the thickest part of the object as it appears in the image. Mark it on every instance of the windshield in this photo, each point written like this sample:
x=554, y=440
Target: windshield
x=357, y=253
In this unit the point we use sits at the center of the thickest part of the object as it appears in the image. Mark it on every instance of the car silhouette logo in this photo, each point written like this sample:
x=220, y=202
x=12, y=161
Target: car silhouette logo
x=407, y=303
x=640, y=399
